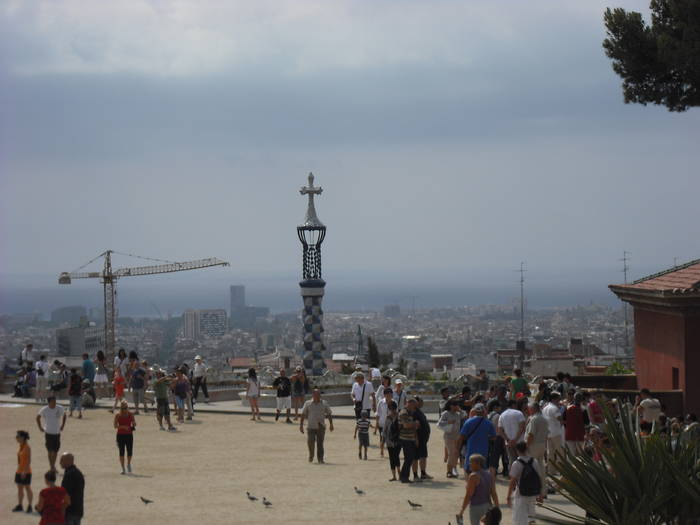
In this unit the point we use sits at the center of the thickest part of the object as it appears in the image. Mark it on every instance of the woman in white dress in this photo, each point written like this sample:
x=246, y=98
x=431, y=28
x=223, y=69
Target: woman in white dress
x=252, y=393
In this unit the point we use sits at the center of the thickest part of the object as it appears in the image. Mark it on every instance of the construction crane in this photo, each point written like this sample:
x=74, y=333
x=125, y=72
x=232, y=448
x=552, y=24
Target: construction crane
x=109, y=277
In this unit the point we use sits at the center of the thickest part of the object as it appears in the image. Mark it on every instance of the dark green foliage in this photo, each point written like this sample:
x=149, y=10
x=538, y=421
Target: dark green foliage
x=658, y=63
x=640, y=480
x=617, y=369
x=373, y=353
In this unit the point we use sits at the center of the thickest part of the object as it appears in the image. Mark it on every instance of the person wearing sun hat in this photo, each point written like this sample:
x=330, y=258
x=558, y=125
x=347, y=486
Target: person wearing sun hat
x=199, y=373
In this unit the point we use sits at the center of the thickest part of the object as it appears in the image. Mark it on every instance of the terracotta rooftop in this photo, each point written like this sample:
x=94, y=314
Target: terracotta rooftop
x=677, y=280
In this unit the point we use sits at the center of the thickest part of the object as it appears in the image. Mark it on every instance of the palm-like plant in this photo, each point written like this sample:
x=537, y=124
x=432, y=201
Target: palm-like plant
x=638, y=481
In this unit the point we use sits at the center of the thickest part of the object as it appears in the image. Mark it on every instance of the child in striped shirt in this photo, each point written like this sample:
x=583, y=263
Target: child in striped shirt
x=362, y=428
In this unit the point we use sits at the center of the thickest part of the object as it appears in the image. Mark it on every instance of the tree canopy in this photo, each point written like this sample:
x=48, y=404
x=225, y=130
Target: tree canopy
x=658, y=63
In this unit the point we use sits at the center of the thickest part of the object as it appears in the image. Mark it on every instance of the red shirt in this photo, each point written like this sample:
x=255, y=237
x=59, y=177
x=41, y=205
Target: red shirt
x=52, y=511
x=575, y=428
x=596, y=412
x=119, y=383
x=127, y=421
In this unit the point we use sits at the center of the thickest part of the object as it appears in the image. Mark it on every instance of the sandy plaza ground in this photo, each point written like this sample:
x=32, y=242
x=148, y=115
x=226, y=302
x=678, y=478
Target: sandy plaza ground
x=203, y=470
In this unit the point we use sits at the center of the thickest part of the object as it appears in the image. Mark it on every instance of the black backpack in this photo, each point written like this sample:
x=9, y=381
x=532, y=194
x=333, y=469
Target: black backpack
x=529, y=483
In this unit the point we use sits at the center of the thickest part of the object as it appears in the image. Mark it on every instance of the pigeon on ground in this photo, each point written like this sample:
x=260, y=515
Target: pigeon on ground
x=414, y=505
x=251, y=497
x=146, y=501
x=266, y=502
x=359, y=492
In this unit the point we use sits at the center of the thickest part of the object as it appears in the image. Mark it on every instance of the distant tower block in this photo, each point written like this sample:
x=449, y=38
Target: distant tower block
x=311, y=235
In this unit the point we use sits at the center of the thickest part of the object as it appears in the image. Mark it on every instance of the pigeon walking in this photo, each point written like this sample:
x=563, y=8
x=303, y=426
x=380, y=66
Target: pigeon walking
x=359, y=492
x=251, y=497
x=414, y=505
x=266, y=502
x=146, y=501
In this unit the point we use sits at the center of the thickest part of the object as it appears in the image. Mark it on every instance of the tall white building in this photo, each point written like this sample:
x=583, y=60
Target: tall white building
x=204, y=323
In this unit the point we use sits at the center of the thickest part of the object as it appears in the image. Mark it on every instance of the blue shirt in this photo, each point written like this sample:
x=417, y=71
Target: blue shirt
x=479, y=430
x=89, y=370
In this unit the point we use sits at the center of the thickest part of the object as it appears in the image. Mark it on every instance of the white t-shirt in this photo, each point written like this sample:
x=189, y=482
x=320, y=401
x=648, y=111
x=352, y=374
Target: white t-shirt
x=510, y=422
x=357, y=394
x=254, y=389
x=382, y=410
x=516, y=469
x=52, y=418
x=552, y=414
x=199, y=370
x=43, y=365
x=651, y=409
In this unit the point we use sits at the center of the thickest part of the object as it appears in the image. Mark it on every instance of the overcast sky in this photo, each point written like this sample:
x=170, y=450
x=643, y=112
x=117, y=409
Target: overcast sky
x=452, y=139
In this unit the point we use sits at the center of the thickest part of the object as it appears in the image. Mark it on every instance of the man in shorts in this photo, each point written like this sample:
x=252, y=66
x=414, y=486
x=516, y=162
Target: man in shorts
x=284, y=393
x=53, y=417
x=161, y=383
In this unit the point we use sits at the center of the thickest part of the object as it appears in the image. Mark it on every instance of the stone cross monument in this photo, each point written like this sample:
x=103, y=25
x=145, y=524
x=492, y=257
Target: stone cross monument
x=311, y=235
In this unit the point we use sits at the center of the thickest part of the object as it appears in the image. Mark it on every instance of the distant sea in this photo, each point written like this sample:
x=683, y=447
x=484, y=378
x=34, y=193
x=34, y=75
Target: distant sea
x=147, y=297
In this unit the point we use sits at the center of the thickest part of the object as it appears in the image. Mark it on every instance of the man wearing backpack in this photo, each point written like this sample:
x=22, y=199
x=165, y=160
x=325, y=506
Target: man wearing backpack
x=525, y=486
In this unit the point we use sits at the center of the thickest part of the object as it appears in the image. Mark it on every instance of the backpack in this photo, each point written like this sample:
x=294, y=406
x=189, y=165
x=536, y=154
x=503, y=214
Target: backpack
x=529, y=483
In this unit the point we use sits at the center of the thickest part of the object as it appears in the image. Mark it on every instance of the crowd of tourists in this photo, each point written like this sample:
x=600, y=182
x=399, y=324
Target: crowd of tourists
x=488, y=430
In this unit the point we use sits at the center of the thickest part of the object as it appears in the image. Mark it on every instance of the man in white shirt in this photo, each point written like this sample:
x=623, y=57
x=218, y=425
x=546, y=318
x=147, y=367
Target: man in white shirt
x=382, y=411
x=511, y=425
x=42, y=378
x=536, y=433
x=362, y=395
x=54, y=419
x=399, y=394
x=199, y=373
x=649, y=408
x=375, y=376
x=523, y=505
x=26, y=354
x=555, y=443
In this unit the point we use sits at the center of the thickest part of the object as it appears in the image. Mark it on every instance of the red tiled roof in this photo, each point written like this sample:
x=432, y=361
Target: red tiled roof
x=679, y=279
x=241, y=362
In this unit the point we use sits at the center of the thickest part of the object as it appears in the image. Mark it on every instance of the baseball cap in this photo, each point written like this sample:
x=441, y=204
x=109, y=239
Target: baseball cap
x=479, y=407
x=398, y=381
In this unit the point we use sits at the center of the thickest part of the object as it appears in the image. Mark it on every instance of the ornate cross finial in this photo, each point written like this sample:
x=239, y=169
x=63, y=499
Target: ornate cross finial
x=311, y=190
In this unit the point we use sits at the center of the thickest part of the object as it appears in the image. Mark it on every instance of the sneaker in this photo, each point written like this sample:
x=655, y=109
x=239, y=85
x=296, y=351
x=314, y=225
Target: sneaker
x=162, y=427
x=29, y=509
x=425, y=475
x=172, y=429
x=289, y=421
x=189, y=418
x=18, y=508
x=128, y=468
x=123, y=472
x=417, y=479
x=406, y=481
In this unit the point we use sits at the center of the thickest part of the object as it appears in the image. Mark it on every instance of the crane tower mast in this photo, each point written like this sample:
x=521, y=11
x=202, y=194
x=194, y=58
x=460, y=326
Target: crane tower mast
x=109, y=277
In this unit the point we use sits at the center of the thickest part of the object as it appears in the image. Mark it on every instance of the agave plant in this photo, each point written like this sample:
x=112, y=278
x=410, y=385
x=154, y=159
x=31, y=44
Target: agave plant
x=639, y=480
